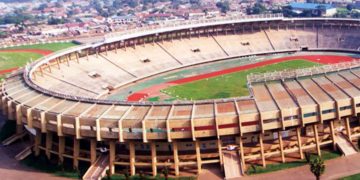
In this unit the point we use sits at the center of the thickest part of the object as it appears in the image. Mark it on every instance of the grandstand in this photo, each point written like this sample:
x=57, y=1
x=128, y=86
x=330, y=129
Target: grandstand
x=63, y=97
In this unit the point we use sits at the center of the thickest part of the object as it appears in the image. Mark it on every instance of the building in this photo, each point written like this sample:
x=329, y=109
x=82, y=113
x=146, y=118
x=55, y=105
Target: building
x=323, y=9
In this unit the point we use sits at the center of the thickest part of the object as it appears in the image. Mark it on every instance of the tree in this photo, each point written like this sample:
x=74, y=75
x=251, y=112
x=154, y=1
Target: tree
x=224, y=6
x=126, y=174
x=132, y=3
x=165, y=172
x=117, y=4
x=307, y=156
x=317, y=167
x=349, y=7
x=258, y=8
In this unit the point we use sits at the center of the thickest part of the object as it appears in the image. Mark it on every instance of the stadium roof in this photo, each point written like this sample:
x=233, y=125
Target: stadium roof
x=309, y=6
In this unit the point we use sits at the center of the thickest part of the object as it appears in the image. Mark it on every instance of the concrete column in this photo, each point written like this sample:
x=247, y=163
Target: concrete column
x=332, y=131
x=299, y=143
x=112, y=153
x=316, y=134
x=37, y=143
x=281, y=147
x=77, y=57
x=242, y=156
x=261, y=137
x=58, y=63
x=76, y=152
x=29, y=118
x=198, y=156
x=19, y=126
x=132, y=158
x=68, y=60
x=176, y=158
x=220, y=154
x=48, y=144
x=347, y=127
x=61, y=148
x=153, y=159
x=92, y=151
x=10, y=111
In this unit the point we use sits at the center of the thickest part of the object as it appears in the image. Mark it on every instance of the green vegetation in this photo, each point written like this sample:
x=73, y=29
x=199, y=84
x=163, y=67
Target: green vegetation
x=8, y=129
x=42, y=164
x=325, y=155
x=48, y=46
x=229, y=85
x=154, y=99
x=317, y=167
x=352, y=177
x=14, y=59
x=18, y=59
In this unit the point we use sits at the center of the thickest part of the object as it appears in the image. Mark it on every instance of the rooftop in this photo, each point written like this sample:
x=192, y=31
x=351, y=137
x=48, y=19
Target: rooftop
x=310, y=6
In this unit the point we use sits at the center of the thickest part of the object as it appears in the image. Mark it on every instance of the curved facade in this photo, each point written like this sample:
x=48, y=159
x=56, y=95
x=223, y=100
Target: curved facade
x=63, y=96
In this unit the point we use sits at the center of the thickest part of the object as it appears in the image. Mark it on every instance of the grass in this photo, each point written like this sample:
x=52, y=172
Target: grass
x=229, y=85
x=41, y=163
x=326, y=155
x=137, y=177
x=352, y=177
x=13, y=59
x=154, y=99
x=48, y=46
x=17, y=59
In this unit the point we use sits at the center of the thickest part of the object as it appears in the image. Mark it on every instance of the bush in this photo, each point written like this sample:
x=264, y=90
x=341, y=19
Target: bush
x=8, y=129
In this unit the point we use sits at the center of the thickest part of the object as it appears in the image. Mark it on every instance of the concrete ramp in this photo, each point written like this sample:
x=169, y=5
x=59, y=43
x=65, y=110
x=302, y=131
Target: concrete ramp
x=24, y=153
x=13, y=138
x=97, y=170
x=232, y=164
x=344, y=145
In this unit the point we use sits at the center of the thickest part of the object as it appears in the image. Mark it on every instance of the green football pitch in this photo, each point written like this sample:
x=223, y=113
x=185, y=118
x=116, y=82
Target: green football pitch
x=10, y=60
x=228, y=85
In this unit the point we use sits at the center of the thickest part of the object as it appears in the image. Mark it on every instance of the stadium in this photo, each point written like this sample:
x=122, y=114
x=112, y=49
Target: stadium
x=87, y=97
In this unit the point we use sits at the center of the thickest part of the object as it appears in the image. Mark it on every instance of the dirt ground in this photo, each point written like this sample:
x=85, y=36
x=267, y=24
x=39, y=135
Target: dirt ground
x=10, y=169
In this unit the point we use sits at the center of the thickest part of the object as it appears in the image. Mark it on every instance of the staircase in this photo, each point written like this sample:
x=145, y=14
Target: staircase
x=98, y=170
x=232, y=164
x=267, y=37
x=344, y=145
x=24, y=153
x=13, y=138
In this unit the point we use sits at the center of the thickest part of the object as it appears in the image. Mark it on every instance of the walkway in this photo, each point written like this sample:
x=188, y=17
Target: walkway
x=232, y=165
x=335, y=168
x=344, y=145
x=98, y=170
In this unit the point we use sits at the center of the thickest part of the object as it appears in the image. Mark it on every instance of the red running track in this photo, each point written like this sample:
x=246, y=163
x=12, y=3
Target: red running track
x=5, y=71
x=37, y=51
x=318, y=59
x=322, y=59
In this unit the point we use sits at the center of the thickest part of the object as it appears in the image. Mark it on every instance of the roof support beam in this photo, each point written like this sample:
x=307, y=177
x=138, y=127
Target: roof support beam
x=121, y=135
x=168, y=129
x=143, y=123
